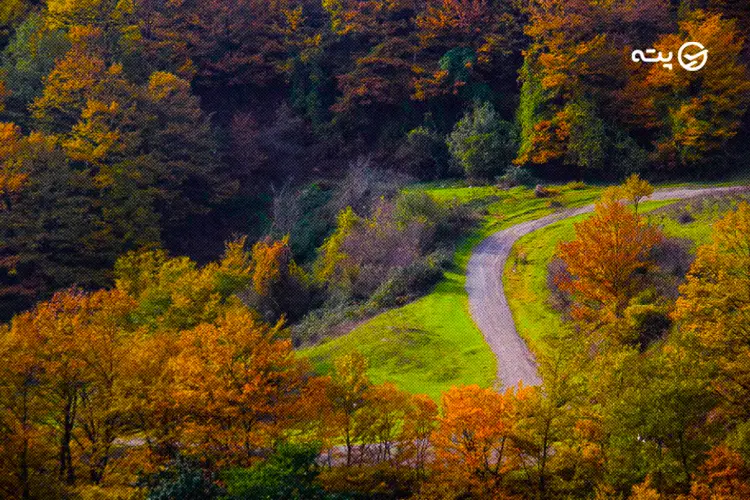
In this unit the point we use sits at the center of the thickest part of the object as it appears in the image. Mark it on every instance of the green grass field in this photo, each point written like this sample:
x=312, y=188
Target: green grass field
x=526, y=284
x=431, y=344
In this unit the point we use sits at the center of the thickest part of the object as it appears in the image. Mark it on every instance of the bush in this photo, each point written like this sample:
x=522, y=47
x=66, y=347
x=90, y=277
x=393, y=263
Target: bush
x=557, y=273
x=481, y=144
x=183, y=479
x=673, y=259
x=359, y=256
x=542, y=192
x=404, y=285
x=575, y=185
x=647, y=323
x=446, y=221
x=517, y=176
x=280, y=286
x=335, y=318
x=685, y=217
x=291, y=473
x=303, y=215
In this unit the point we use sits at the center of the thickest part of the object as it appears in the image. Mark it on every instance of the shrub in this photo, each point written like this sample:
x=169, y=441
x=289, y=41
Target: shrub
x=575, y=185
x=673, y=258
x=542, y=192
x=685, y=217
x=517, y=176
x=335, y=318
x=183, y=479
x=280, y=286
x=407, y=283
x=303, y=214
x=358, y=257
x=289, y=474
x=364, y=187
x=423, y=154
x=447, y=222
x=557, y=273
x=647, y=323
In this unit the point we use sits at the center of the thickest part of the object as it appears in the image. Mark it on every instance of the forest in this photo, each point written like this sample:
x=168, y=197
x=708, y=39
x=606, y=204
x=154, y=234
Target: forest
x=236, y=242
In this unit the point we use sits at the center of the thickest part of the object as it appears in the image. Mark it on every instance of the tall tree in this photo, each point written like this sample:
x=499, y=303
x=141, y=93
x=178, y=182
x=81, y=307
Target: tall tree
x=571, y=73
x=41, y=192
x=714, y=305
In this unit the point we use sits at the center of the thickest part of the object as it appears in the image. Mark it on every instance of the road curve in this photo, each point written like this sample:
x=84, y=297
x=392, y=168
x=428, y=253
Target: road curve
x=489, y=306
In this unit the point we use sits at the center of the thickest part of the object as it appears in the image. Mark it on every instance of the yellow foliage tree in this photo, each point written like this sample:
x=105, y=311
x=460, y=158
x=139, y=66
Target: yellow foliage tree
x=714, y=304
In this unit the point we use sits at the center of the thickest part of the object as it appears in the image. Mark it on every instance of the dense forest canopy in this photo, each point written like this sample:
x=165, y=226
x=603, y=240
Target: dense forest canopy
x=152, y=122
x=192, y=191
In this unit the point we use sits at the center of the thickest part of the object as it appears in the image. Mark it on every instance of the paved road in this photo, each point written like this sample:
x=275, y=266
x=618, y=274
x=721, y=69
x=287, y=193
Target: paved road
x=489, y=306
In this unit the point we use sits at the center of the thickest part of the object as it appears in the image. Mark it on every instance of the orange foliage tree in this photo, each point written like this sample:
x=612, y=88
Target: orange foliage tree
x=604, y=260
x=724, y=475
x=236, y=382
x=474, y=443
x=280, y=285
x=704, y=108
x=82, y=363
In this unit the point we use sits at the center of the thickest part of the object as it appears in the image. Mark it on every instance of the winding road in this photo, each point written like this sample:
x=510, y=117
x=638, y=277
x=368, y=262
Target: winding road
x=487, y=301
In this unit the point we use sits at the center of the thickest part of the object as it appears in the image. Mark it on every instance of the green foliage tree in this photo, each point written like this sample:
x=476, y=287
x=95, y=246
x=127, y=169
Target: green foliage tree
x=482, y=144
x=27, y=60
x=423, y=153
x=36, y=261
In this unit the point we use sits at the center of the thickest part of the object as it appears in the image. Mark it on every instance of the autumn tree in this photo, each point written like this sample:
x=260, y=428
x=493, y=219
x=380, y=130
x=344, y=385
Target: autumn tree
x=419, y=423
x=714, y=305
x=378, y=84
x=347, y=392
x=82, y=362
x=466, y=48
x=174, y=293
x=474, y=443
x=236, y=382
x=664, y=406
x=380, y=422
x=636, y=189
x=11, y=13
x=704, y=109
x=725, y=474
x=359, y=256
x=242, y=44
x=26, y=449
x=606, y=261
x=575, y=48
x=74, y=77
x=27, y=60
